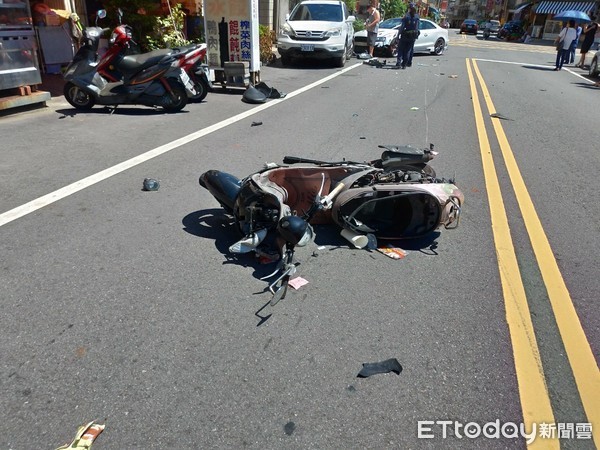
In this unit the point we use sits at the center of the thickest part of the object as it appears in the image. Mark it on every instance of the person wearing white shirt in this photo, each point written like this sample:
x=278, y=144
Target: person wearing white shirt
x=566, y=36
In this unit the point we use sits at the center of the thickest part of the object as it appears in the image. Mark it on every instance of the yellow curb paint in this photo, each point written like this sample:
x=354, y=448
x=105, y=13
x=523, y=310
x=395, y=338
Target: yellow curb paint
x=533, y=392
x=579, y=352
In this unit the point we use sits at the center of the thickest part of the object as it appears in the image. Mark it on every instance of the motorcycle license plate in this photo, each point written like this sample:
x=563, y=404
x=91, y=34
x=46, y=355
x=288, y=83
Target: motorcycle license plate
x=186, y=80
x=307, y=47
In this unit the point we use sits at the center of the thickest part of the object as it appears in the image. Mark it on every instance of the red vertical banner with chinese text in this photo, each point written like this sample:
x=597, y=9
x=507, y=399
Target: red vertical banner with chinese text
x=232, y=32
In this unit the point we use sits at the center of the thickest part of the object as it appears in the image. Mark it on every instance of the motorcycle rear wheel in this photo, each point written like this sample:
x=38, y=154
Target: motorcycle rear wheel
x=78, y=98
x=201, y=89
x=177, y=99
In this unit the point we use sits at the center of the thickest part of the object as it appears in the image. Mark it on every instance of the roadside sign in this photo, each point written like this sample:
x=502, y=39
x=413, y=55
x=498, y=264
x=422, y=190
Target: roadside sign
x=232, y=32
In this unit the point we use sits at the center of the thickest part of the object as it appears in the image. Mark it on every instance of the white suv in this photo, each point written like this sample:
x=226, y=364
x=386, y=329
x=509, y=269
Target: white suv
x=317, y=29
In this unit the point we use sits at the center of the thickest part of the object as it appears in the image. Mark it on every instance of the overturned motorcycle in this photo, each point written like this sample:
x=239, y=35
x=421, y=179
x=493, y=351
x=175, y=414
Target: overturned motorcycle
x=395, y=197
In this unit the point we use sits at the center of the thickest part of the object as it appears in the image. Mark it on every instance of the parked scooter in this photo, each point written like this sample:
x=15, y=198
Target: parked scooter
x=151, y=80
x=394, y=197
x=123, y=46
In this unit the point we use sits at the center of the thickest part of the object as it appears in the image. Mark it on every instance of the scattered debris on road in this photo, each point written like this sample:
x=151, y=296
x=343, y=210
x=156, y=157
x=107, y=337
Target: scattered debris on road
x=500, y=116
x=85, y=437
x=389, y=365
x=297, y=282
x=150, y=184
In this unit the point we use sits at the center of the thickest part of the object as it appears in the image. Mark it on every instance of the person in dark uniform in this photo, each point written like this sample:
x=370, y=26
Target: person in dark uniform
x=407, y=35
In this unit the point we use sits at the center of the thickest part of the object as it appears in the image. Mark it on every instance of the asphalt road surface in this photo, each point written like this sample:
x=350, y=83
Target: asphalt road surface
x=123, y=307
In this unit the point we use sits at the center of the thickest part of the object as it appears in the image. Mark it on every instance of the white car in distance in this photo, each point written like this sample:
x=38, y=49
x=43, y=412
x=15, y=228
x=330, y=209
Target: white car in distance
x=432, y=38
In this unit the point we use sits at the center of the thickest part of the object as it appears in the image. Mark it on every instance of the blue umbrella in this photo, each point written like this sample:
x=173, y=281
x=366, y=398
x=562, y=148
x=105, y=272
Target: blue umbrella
x=577, y=16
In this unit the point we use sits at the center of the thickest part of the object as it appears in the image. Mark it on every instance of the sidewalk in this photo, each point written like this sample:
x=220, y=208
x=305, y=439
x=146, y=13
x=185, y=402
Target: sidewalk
x=33, y=97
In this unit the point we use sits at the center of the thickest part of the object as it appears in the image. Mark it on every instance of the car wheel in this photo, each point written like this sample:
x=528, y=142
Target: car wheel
x=78, y=98
x=285, y=60
x=438, y=48
x=594, y=67
x=340, y=61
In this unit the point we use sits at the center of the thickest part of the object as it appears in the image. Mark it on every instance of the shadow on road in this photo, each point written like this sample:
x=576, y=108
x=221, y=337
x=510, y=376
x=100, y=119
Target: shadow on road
x=120, y=110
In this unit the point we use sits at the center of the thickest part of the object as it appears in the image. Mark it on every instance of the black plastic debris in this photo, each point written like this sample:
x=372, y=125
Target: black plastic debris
x=260, y=93
x=389, y=365
x=374, y=62
x=289, y=428
x=255, y=124
x=150, y=184
x=500, y=116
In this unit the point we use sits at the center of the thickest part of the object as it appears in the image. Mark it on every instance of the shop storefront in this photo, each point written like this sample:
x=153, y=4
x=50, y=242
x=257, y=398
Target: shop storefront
x=35, y=37
x=547, y=28
x=18, y=46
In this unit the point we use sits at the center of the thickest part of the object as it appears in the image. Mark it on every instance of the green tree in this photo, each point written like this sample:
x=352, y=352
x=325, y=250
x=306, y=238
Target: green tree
x=168, y=30
x=393, y=8
x=152, y=28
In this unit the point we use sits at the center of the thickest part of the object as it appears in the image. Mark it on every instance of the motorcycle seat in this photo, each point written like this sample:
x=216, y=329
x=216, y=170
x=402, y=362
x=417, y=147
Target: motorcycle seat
x=135, y=63
x=183, y=48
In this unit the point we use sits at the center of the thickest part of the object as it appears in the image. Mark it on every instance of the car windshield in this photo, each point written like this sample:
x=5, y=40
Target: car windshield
x=321, y=12
x=390, y=23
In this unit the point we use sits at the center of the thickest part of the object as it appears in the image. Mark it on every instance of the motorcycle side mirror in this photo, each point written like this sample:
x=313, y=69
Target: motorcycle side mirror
x=278, y=294
x=100, y=14
x=120, y=14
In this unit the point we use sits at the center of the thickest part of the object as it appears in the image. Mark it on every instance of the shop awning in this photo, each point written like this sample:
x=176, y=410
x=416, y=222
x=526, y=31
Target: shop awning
x=555, y=7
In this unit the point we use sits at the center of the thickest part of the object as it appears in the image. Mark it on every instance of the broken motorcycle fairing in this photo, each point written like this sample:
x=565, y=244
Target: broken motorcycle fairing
x=395, y=197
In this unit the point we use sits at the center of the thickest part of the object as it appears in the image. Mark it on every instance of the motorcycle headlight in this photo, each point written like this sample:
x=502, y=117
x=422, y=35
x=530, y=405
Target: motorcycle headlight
x=295, y=230
x=334, y=32
x=113, y=38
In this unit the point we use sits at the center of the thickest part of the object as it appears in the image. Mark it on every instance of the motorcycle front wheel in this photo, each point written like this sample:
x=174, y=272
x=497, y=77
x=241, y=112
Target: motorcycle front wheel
x=78, y=98
x=176, y=99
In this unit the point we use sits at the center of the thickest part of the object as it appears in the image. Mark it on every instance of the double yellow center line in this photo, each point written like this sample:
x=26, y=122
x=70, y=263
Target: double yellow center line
x=533, y=392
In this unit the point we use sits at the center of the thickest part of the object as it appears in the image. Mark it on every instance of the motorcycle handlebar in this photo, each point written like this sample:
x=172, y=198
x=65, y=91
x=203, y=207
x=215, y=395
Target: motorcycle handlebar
x=298, y=160
x=327, y=200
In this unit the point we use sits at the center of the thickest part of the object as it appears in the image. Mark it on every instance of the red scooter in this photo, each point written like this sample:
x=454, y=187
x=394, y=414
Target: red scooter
x=119, y=58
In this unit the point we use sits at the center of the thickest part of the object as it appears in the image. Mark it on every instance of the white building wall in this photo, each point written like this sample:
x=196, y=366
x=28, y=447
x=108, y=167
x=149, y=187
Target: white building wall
x=265, y=12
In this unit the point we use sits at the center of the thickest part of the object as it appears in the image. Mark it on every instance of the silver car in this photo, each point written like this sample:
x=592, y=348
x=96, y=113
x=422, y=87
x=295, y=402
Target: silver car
x=432, y=38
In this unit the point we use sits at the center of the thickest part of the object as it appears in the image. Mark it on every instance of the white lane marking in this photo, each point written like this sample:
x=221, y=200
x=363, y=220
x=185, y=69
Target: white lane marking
x=77, y=186
x=543, y=66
